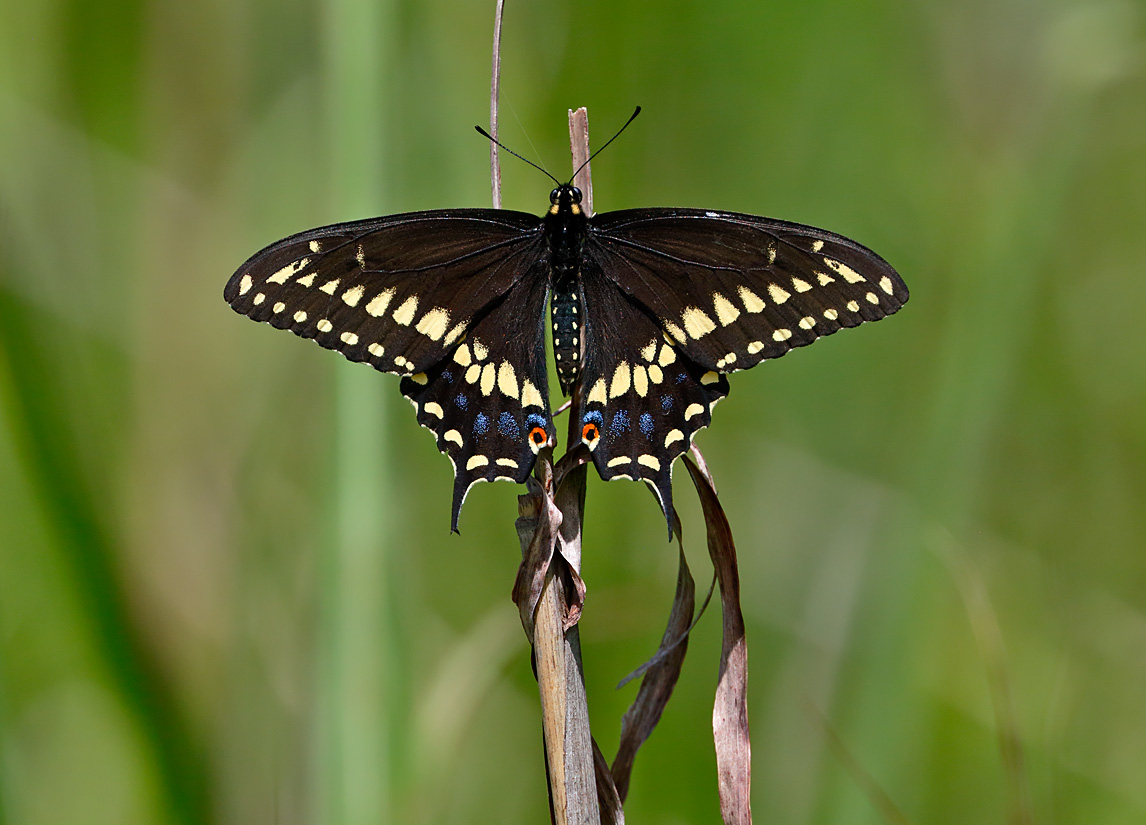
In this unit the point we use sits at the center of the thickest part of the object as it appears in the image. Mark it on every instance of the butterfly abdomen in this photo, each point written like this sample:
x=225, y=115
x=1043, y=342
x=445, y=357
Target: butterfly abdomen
x=567, y=322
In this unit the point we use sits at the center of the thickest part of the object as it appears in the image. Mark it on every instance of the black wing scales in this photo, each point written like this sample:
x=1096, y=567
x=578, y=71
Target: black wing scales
x=733, y=290
x=440, y=298
x=642, y=400
x=396, y=292
x=488, y=403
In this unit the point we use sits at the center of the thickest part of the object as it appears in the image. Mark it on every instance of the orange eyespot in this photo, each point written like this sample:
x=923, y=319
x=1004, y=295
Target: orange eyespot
x=590, y=432
x=538, y=436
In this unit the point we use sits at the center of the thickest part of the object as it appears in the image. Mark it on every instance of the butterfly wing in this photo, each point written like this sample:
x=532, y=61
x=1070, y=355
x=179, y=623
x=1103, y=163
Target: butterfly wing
x=454, y=301
x=488, y=404
x=642, y=400
x=732, y=290
x=397, y=292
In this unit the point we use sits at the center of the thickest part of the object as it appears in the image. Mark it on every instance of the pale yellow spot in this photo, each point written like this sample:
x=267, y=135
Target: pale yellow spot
x=655, y=374
x=801, y=285
x=853, y=306
x=245, y=284
x=488, y=378
x=885, y=284
x=622, y=378
x=278, y=307
x=405, y=313
x=324, y=325
x=530, y=397
x=376, y=350
x=673, y=437
x=771, y=253
x=454, y=334
x=434, y=408
x=462, y=355
x=480, y=350
x=315, y=246
x=710, y=377
x=476, y=461
x=755, y=347
x=287, y=271
x=675, y=331
x=378, y=303
x=420, y=378
x=507, y=462
x=696, y=323
x=726, y=311
x=352, y=296
x=597, y=394
x=831, y=314
x=307, y=279
x=473, y=373
x=807, y=322
x=640, y=381
x=360, y=256
x=454, y=436
x=778, y=294
x=781, y=335
x=330, y=287
x=850, y=275
x=300, y=316
x=400, y=360
x=650, y=351
x=871, y=298
x=752, y=302
x=619, y=460
x=260, y=298
x=693, y=410
x=649, y=461
x=434, y=323
x=667, y=356
x=507, y=379
x=817, y=246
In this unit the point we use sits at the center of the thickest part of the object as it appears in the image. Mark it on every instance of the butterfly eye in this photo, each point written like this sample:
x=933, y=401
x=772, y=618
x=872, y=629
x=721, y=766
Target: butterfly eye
x=575, y=193
x=554, y=195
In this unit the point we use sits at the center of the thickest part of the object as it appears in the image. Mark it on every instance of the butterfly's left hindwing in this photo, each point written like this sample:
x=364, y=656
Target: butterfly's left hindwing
x=642, y=399
x=488, y=403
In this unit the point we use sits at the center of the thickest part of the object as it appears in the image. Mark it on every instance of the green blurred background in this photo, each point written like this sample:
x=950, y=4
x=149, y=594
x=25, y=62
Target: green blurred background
x=228, y=592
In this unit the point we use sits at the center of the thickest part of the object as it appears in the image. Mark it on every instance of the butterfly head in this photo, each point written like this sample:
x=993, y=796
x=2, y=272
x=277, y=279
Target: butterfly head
x=565, y=198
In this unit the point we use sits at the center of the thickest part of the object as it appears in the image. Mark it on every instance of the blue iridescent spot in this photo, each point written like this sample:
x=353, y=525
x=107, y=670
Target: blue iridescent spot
x=681, y=376
x=448, y=375
x=666, y=403
x=507, y=425
x=593, y=416
x=620, y=423
x=535, y=420
x=462, y=402
x=481, y=424
x=646, y=425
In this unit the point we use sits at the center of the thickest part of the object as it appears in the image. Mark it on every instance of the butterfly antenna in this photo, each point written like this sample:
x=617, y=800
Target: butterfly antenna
x=497, y=142
x=632, y=117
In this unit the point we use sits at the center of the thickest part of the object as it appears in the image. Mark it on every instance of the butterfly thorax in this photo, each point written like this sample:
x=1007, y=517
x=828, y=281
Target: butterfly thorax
x=565, y=226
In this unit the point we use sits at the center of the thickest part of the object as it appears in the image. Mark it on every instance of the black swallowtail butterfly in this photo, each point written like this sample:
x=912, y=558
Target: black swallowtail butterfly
x=650, y=310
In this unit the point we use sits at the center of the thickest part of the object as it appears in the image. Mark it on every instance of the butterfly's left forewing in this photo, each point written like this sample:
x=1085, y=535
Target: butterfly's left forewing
x=733, y=290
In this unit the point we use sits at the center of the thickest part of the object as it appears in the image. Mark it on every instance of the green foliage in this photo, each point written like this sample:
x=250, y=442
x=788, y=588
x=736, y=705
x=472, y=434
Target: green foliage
x=227, y=588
